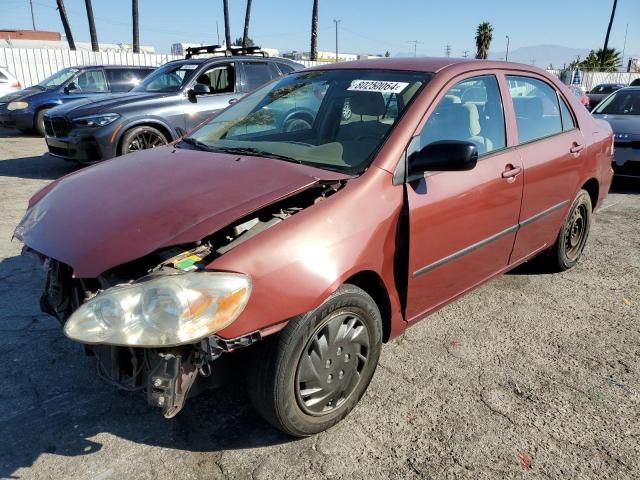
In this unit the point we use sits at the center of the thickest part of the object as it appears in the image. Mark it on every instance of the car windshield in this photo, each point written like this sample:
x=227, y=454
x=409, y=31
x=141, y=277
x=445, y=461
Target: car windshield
x=58, y=78
x=623, y=102
x=168, y=78
x=333, y=119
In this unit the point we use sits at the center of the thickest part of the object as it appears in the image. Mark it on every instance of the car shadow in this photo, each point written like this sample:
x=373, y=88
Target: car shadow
x=41, y=167
x=626, y=185
x=54, y=403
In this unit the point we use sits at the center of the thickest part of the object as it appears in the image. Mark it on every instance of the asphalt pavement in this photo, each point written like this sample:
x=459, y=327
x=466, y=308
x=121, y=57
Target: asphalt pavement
x=530, y=376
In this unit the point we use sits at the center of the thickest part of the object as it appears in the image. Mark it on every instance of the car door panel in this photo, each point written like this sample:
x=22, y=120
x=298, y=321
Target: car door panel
x=463, y=224
x=552, y=170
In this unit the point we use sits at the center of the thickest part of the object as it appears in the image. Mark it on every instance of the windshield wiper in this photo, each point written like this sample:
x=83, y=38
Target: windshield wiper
x=197, y=144
x=256, y=152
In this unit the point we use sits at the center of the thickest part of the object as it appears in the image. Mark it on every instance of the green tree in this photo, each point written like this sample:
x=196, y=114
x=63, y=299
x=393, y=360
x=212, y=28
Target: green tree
x=484, y=35
x=608, y=61
x=387, y=54
x=239, y=41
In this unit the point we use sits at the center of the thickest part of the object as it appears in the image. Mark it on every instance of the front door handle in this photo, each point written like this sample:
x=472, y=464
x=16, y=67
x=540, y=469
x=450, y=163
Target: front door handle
x=576, y=147
x=511, y=171
x=232, y=101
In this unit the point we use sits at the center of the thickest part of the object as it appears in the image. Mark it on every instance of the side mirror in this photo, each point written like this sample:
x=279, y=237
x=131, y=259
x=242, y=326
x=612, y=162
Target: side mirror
x=72, y=86
x=444, y=156
x=199, y=89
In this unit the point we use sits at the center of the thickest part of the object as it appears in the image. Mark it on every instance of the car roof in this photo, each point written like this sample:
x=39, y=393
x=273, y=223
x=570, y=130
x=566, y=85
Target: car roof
x=132, y=67
x=425, y=64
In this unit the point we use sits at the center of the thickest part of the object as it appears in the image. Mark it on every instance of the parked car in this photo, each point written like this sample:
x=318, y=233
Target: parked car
x=599, y=92
x=8, y=83
x=25, y=109
x=312, y=247
x=622, y=110
x=580, y=95
x=173, y=100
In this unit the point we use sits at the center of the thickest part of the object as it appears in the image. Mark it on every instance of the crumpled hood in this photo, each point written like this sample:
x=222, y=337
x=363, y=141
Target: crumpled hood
x=20, y=94
x=109, y=103
x=622, y=123
x=120, y=210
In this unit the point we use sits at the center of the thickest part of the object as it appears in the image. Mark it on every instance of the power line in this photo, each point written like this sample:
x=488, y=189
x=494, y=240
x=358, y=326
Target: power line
x=415, y=46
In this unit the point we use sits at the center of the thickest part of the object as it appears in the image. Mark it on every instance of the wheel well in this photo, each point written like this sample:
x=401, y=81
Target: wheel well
x=592, y=187
x=165, y=131
x=371, y=283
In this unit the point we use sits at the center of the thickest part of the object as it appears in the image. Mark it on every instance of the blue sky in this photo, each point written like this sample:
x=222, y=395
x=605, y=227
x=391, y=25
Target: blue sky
x=367, y=26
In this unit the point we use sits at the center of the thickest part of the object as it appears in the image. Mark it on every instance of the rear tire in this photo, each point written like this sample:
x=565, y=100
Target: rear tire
x=142, y=138
x=315, y=371
x=39, y=122
x=573, y=235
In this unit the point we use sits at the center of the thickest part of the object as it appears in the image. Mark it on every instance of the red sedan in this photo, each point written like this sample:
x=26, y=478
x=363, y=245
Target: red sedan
x=313, y=246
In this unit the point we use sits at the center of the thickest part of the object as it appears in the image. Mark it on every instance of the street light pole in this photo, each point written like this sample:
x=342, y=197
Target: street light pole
x=336, y=22
x=506, y=57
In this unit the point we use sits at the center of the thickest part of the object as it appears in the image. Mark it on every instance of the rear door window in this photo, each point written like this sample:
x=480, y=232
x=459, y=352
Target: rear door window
x=565, y=113
x=259, y=73
x=123, y=80
x=91, y=81
x=537, y=111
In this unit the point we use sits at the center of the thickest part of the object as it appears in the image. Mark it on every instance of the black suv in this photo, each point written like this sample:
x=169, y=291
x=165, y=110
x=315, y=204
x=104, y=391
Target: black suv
x=164, y=106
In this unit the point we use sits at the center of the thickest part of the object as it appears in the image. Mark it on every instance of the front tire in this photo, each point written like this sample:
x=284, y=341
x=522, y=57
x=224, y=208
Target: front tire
x=39, y=122
x=573, y=235
x=314, y=373
x=142, y=138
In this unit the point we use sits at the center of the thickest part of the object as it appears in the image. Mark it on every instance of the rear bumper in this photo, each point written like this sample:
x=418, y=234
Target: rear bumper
x=626, y=162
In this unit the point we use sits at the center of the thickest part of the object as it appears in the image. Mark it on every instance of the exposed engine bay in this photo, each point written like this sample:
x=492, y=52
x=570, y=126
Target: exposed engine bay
x=168, y=374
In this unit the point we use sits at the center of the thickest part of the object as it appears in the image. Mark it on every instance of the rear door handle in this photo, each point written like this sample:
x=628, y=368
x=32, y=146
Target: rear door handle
x=576, y=147
x=511, y=171
x=232, y=101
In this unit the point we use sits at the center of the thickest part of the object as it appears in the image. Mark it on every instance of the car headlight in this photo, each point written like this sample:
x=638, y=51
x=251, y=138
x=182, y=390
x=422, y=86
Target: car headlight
x=17, y=105
x=96, y=120
x=161, y=311
x=621, y=136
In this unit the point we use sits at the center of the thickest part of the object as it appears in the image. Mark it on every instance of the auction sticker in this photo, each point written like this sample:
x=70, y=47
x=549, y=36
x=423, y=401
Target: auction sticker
x=381, y=86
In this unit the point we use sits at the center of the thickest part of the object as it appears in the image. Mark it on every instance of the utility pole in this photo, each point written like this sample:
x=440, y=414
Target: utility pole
x=415, y=47
x=506, y=57
x=533, y=61
x=465, y=54
x=65, y=24
x=33, y=17
x=136, y=27
x=624, y=46
x=447, y=50
x=336, y=22
x=217, y=32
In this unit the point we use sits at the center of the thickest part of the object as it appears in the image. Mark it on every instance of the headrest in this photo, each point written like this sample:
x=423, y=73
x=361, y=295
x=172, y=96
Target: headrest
x=460, y=120
x=450, y=99
x=367, y=103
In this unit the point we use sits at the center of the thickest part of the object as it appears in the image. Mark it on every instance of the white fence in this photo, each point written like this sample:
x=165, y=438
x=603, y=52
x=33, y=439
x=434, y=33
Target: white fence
x=32, y=65
x=591, y=79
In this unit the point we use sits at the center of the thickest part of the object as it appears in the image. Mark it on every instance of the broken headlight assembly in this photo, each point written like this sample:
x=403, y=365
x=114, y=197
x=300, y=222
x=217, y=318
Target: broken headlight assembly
x=162, y=310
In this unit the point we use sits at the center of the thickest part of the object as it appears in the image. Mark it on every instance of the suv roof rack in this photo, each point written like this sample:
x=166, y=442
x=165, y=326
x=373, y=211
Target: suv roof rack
x=227, y=52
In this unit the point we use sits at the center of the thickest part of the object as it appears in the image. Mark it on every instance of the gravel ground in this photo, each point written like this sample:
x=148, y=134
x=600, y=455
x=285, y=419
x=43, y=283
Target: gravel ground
x=530, y=376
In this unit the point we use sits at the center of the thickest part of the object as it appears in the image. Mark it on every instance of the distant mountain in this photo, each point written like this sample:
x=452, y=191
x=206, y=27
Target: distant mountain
x=543, y=55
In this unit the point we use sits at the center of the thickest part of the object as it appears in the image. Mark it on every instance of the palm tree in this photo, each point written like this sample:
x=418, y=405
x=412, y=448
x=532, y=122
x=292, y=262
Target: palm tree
x=136, y=30
x=250, y=43
x=608, y=61
x=606, y=38
x=314, y=32
x=484, y=35
x=92, y=26
x=65, y=24
x=247, y=16
x=227, y=31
